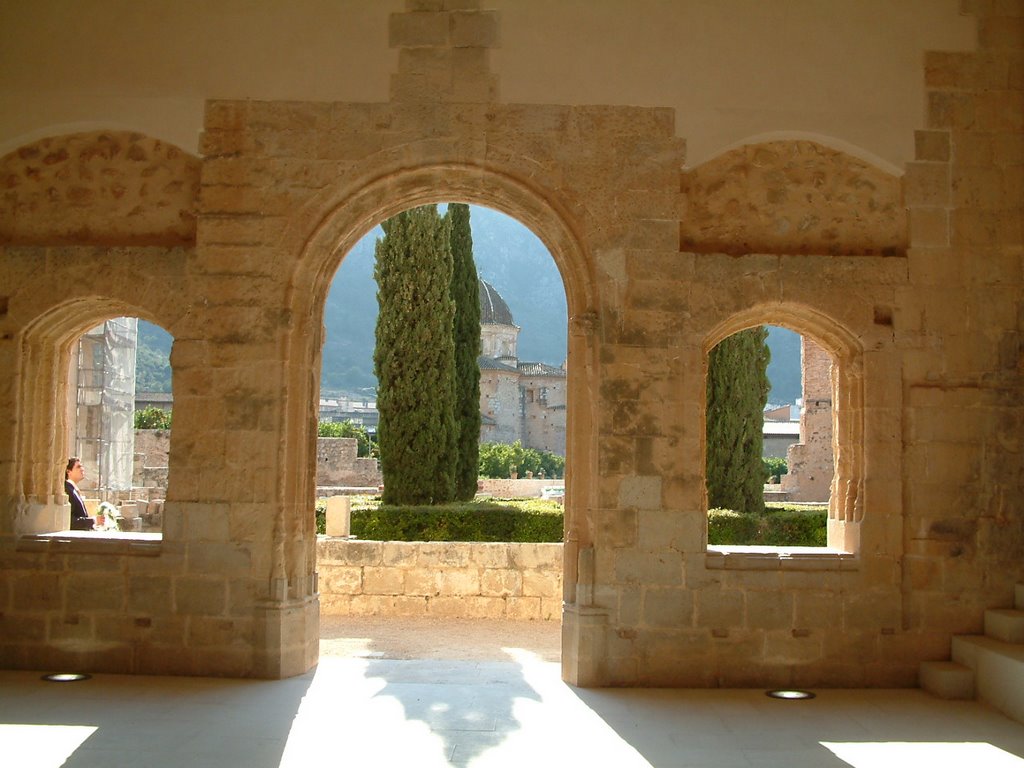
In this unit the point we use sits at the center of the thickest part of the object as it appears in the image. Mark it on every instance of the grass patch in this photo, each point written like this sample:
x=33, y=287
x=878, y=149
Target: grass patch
x=520, y=520
x=790, y=525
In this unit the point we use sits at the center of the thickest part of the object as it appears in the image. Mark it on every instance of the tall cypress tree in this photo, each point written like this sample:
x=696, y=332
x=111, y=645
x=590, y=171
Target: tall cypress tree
x=737, y=390
x=466, y=296
x=414, y=358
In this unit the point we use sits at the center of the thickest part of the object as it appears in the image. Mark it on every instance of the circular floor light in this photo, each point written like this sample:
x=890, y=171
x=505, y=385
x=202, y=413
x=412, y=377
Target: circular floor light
x=790, y=695
x=66, y=677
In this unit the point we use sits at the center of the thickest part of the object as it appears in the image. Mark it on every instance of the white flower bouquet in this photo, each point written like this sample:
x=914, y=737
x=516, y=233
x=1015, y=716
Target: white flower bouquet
x=108, y=517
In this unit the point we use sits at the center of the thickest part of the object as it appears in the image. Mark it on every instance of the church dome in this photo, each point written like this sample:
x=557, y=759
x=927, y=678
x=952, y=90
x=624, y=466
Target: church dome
x=493, y=309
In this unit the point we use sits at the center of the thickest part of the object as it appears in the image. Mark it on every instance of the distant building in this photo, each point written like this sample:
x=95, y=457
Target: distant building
x=361, y=410
x=519, y=400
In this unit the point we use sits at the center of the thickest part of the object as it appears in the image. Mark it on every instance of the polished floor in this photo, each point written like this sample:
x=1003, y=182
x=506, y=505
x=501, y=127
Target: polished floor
x=366, y=710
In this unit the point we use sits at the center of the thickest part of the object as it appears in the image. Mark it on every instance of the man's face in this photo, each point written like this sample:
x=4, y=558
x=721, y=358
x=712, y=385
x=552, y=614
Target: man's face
x=77, y=473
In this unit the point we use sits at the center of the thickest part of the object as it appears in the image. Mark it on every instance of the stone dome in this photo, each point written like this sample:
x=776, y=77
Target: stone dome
x=493, y=309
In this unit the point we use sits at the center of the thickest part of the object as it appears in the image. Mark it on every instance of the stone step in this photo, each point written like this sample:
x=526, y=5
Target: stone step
x=998, y=671
x=947, y=679
x=1006, y=624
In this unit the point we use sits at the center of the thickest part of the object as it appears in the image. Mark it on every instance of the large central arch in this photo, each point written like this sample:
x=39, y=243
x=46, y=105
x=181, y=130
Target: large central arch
x=341, y=216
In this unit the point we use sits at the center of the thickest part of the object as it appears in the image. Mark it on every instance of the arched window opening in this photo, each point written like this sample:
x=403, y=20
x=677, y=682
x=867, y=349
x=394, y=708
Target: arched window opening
x=799, y=452
x=118, y=424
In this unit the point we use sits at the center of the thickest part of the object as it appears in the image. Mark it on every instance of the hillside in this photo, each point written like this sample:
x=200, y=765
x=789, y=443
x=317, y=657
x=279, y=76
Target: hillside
x=508, y=256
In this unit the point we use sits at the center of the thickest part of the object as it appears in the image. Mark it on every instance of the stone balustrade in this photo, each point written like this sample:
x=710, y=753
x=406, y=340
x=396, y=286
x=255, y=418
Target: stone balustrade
x=443, y=579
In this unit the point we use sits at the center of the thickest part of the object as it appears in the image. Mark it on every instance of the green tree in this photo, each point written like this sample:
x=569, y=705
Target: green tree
x=152, y=417
x=737, y=390
x=414, y=359
x=498, y=459
x=465, y=294
x=347, y=429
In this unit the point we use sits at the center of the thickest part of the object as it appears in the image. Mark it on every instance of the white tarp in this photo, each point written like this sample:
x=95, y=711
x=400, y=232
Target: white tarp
x=106, y=401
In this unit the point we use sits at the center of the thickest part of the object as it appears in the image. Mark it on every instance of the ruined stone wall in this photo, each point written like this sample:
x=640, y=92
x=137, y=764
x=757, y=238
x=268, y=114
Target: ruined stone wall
x=338, y=464
x=500, y=400
x=520, y=488
x=810, y=462
x=544, y=413
x=464, y=580
x=154, y=444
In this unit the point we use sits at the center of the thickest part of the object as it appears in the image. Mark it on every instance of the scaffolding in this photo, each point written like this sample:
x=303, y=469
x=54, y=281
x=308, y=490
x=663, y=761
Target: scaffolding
x=103, y=422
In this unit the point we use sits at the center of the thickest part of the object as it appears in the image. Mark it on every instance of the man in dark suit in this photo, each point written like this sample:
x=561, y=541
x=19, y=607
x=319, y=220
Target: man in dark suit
x=74, y=474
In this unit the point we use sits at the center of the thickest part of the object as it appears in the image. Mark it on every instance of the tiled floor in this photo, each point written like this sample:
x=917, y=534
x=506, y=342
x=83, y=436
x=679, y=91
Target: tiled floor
x=386, y=712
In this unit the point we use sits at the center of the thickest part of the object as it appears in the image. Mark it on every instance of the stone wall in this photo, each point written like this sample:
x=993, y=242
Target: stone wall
x=154, y=445
x=440, y=579
x=99, y=188
x=500, y=400
x=544, y=413
x=520, y=488
x=337, y=464
x=660, y=261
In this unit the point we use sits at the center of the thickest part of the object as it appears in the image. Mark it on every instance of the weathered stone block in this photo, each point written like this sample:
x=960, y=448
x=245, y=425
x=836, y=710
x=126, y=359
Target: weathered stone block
x=523, y=607
x=769, y=610
x=38, y=591
x=458, y=582
x=150, y=595
x=421, y=581
x=478, y=29
x=927, y=184
x=721, y=609
x=667, y=608
x=410, y=30
x=433, y=554
x=640, y=492
x=488, y=555
x=378, y=580
x=346, y=580
x=662, y=568
x=929, y=227
x=200, y=595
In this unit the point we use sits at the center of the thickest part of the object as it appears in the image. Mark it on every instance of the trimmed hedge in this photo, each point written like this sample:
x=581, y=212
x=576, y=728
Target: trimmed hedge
x=541, y=521
x=530, y=521
x=781, y=525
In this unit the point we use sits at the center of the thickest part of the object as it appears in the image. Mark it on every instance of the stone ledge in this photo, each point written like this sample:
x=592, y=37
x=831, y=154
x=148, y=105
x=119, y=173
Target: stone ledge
x=752, y=558
x=89, y=543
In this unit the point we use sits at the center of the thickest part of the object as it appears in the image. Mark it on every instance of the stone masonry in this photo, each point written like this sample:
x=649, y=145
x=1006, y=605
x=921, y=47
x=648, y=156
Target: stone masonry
x=774, y=183
x=441, y=579
x=810, y=462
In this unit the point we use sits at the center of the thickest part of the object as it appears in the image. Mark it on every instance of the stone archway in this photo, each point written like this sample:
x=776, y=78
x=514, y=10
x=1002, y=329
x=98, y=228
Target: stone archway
x=846, y=504
x=345, y=221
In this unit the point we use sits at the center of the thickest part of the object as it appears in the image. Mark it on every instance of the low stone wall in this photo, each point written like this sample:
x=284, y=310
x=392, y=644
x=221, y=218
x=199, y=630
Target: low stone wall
x=521, y=488
x=443, y=579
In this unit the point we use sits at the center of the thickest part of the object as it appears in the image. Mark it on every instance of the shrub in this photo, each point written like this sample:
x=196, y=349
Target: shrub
x=780, y=525
x=530, y=520
x=500, y=459
x=774, y=467
x=152, y=417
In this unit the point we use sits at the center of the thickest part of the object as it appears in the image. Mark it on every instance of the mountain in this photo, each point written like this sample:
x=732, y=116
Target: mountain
x=509, y=257
x=153, y=359
x=784, y=366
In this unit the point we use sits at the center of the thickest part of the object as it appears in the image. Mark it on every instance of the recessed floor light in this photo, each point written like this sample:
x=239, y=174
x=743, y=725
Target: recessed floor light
x=790, y=695
x=66, y=677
